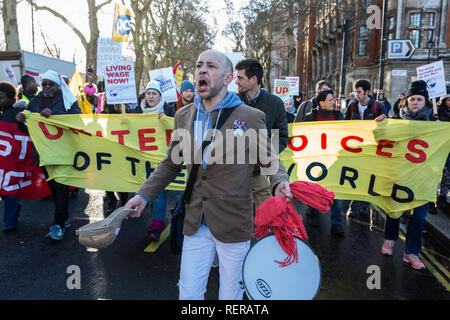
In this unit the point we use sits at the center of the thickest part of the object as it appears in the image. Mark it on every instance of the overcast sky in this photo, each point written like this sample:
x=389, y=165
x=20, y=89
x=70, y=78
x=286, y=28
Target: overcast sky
x=68, y=42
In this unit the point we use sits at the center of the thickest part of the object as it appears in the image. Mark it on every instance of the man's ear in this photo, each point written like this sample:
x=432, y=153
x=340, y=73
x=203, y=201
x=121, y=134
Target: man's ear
x=228, y=78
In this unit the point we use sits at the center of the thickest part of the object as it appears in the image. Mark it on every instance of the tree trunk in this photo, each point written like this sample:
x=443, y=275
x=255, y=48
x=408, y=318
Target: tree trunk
x=9, y=14
x=91, y=50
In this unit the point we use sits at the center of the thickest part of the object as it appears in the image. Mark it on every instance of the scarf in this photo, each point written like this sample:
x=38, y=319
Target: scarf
x=68, y=97
x=156, y=109
x=421, y=114
x=280, y=216
x=325, y=113
x=291, y=110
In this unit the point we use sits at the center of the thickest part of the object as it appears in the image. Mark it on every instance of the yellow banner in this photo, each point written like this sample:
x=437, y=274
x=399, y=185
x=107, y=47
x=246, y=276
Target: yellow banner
x=395, y=164
x=100, y=151
x=121, y=24
x=76, y=85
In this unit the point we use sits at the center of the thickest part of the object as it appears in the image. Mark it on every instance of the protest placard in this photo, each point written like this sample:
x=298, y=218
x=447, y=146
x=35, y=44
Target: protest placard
x=120, y=83
x=434, y=75
x=281, y=89
x=168, y=83
x=294, y=85
x=108, y=52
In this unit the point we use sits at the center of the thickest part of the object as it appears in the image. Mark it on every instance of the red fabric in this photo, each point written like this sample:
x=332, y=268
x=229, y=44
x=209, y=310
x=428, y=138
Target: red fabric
x=279, y=217
x=323, y=118
x=312, y=194
x=175, y=69
x=19, y=176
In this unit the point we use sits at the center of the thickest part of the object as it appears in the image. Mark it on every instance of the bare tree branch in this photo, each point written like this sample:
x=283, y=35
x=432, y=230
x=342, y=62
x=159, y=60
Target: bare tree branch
x=63, y=19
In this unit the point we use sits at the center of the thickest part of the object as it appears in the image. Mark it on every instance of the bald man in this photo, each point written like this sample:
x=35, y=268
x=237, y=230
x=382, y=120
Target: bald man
x=219, y=215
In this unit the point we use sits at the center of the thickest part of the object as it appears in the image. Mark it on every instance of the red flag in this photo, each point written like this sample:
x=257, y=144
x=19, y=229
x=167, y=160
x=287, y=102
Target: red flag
x=19, y=176
x=177, y=69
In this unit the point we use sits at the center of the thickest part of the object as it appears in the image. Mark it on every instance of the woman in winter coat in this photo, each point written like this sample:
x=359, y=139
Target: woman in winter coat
x=417, y=107
x=153, y=102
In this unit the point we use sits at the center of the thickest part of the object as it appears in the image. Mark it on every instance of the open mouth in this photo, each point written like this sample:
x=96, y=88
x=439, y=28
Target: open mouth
x=202, y=85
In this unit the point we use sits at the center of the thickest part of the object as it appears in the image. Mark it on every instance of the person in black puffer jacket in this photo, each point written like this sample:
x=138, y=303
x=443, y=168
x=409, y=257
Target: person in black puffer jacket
x=417, y=107
x=55, y=99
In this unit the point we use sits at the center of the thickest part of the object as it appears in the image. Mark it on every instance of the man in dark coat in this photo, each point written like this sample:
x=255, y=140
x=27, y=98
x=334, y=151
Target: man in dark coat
x=249, y=74
x=364, y=107
x=54, y=99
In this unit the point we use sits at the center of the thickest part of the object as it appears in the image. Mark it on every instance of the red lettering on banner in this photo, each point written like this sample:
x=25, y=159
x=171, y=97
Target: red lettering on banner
x=143, y=140
x=168, y=136
x=345, y=140
x=323, y=141
x=76, y=131
x=120, y=133
x=47, y=133
x=384, y=144
x=19, y=176
x=99, y=134
x=412, y=147
x=300, y=148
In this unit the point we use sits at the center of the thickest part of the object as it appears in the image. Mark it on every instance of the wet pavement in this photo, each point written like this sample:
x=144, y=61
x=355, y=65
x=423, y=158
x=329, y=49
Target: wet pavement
x=35, y=267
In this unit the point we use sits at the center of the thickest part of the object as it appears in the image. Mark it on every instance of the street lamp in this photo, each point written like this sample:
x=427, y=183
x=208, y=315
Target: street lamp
x=430, y=45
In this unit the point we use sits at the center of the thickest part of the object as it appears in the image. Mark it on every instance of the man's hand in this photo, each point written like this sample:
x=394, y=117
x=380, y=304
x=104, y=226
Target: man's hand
x=20, y=117
x=47, y=112
x=381, y=117
x=137, y=204
x=161, y=114
x=284, y=190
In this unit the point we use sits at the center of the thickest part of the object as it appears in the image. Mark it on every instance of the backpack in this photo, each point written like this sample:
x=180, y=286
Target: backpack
x=374, y=109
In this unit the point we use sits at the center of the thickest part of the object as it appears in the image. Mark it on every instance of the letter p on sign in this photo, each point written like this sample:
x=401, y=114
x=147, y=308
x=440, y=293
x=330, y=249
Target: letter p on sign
x=396, y=47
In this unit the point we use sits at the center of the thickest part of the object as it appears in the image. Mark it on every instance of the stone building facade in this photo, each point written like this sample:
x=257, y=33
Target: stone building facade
x=320, y=43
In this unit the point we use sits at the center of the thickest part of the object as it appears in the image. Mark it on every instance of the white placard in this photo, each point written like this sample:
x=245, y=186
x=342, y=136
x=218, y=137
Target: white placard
x=434, y=75
x=10, y=74
x=168, y=83
x=108, y=52
x=120, y=83
x=294, y=85
x=281, y=89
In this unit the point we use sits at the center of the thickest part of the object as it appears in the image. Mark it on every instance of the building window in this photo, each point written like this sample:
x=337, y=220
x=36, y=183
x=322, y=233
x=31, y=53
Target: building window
x=421, y=28
x=363, y=32
x=428, y=19
x=427, y=36
x=414, y=36
x=391, y=23
x=363, y=41
x=391, y=27
x=363, y=48
x=414, y=19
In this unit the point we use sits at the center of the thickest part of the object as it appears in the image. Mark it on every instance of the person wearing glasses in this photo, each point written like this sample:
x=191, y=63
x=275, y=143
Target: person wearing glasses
x=54, y=99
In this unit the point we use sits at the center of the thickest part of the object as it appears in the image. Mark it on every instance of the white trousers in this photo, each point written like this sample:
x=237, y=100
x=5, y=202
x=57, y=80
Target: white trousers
x=196, y=260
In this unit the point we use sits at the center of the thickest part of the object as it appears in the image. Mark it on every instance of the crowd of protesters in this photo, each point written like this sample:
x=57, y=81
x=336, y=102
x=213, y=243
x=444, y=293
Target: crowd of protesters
x=55, y=98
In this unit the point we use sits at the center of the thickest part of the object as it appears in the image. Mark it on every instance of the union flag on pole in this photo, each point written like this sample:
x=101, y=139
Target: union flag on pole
x=121, y=24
